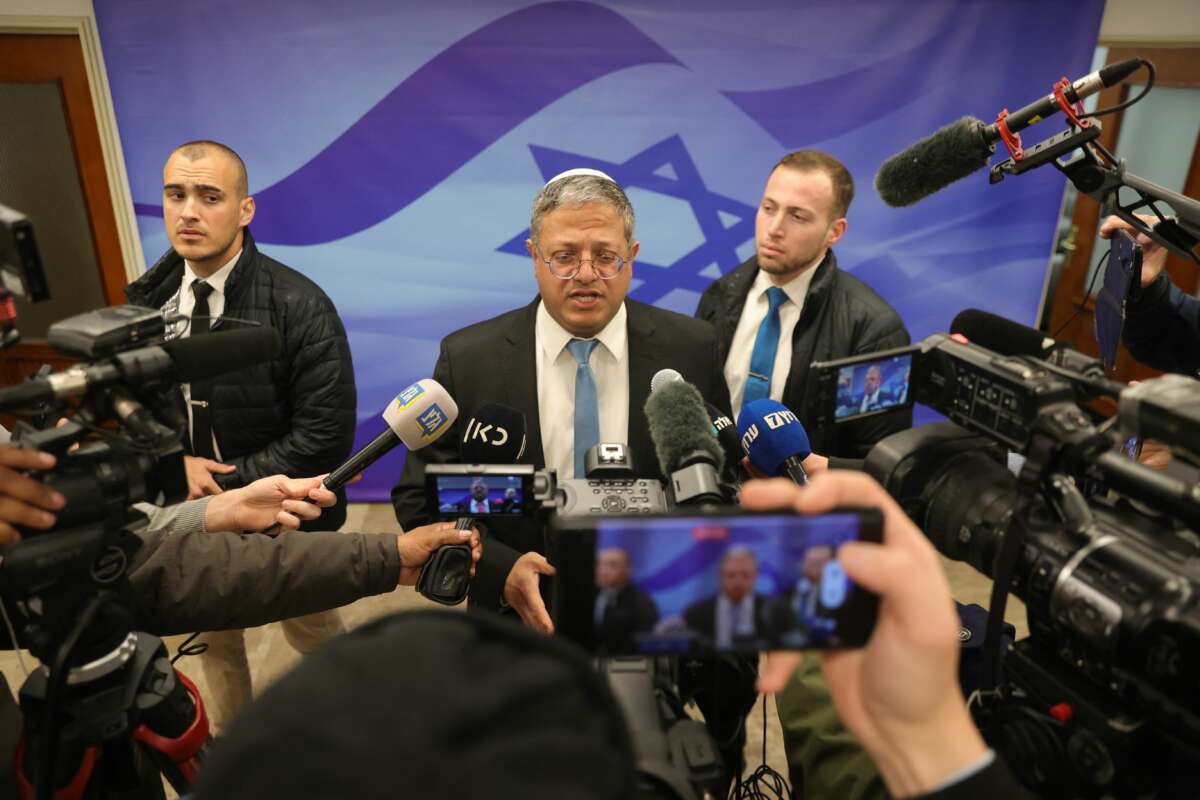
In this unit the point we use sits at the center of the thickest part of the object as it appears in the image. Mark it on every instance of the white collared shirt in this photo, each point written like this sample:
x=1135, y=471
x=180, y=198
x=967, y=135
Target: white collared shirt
x=754, y=311
x=556, y=387
x=185, y=303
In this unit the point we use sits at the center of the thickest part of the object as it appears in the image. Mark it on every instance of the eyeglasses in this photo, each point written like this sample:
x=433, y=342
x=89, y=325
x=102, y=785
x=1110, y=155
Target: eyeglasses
x=566, y=264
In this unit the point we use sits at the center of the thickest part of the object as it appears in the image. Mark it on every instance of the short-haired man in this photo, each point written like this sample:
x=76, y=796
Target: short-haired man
x=777, y=313
x=292, y=416
x=622, y=609
x=733, y=614
x=790, y=305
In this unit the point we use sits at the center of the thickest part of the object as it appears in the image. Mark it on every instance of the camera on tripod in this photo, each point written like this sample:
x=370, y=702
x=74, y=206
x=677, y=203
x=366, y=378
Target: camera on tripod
x=106, y=706
x=1101, y=699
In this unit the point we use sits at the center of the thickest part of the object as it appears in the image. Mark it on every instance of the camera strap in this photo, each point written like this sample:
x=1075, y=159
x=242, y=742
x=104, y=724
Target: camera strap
x=1002, y=571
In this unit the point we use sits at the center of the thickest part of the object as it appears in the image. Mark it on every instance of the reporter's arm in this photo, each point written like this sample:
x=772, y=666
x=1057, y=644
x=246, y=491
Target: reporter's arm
x=196, y=581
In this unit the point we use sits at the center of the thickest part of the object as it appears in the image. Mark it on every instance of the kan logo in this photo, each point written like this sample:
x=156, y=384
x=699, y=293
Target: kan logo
x=488, y=434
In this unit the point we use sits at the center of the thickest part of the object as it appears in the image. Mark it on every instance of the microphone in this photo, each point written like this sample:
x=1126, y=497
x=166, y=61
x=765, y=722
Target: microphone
x=688, y=451
x=722, y=425
x=1009, y=338
x=495, y=435
x=774, y=439
x=193, y=358
x=964, y=146
x=416, y=418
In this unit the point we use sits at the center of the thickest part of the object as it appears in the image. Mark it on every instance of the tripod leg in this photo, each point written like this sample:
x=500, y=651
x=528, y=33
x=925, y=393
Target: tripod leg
x=175, y=733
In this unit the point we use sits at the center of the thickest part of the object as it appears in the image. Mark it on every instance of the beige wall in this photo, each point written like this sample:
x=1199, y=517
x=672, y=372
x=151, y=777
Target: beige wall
x=1151, y=22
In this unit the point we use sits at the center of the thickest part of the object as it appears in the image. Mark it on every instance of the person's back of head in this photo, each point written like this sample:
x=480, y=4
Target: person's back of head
x=424, y=704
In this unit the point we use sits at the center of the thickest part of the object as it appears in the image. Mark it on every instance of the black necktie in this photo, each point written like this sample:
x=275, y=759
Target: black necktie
x=202, y=438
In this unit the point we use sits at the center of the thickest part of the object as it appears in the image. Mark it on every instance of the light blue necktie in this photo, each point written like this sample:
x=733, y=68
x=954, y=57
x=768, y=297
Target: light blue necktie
x=587, y=409
x=762, y=358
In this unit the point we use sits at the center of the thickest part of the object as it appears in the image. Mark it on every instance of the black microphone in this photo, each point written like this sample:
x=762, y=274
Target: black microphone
x=688, y=452
x=193, y=358
x=964, y=146
x=1009, y=338
x=494, y=435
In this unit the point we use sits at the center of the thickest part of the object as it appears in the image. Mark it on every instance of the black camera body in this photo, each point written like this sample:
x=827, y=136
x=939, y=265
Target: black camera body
x=1102, y=698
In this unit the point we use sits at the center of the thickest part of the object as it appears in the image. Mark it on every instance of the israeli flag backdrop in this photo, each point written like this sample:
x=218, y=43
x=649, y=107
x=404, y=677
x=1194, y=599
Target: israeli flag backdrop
x=394, y=148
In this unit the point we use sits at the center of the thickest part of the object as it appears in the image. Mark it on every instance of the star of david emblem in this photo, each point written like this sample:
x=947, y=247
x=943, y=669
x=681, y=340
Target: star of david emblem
x=665, y=168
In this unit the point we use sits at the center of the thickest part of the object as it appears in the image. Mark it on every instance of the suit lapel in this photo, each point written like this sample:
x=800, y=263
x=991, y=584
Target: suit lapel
x=644, y=361
x=520, y=376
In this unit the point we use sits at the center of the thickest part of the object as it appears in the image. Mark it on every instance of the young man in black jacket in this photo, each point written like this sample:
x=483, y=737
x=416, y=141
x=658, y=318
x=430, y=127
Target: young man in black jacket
x=293, y=415
x=790, y=305
x=785, y=308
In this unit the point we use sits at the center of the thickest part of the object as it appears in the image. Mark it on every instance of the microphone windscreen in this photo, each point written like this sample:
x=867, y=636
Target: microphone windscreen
x=421, y=413
x=934, y=163
x=1000, y=335
x=663, y=377
x=770, y=432
x=679, y=425
x=494, y=435
x=199, y=358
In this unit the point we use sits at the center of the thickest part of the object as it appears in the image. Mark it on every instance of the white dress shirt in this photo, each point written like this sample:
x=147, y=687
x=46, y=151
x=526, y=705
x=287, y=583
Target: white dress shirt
x=754, y=311
x=556, y=387
x=184, y=302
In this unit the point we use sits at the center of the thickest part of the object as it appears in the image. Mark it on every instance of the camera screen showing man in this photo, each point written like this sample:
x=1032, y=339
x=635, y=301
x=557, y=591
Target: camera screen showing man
x=475, y=495
x=736, y=584
x=873, y=386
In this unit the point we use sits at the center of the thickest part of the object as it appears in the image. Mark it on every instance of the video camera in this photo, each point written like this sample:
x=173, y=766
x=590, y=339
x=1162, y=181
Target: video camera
x=1101, y=699
x=107, y=707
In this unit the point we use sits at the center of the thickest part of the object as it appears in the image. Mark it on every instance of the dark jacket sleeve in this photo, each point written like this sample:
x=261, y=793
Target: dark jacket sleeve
x=1162, y=328
x=196, y=581
x=993, y=781
x=321, y=395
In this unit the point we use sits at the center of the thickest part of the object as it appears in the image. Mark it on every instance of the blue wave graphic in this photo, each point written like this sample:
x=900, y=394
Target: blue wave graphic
x=443, y=115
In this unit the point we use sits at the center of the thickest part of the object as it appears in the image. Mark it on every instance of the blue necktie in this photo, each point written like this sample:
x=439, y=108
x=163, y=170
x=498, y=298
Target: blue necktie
x=587, y=409
x=762, y=359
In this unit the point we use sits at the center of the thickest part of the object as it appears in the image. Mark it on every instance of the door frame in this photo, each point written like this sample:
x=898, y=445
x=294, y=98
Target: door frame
x=120, y=196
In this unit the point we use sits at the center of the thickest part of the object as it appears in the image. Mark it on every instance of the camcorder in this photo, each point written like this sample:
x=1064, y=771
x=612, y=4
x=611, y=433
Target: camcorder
x=1102, y=698
x=106, y=710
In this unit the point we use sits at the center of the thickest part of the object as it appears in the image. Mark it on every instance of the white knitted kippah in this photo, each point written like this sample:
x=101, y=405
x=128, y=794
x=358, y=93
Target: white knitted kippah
x=579, y=171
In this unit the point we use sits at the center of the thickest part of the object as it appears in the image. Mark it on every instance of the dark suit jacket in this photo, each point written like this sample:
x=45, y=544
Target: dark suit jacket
x=842, y=317
x=632, y=611
x=465, y=506
x=657, y=339
x=701, y=617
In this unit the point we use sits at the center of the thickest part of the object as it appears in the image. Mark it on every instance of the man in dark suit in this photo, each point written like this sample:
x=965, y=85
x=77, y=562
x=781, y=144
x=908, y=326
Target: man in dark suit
x=622, y=609
x=733, y=615
x=478, y=502
x=790, y=305
x=577, y=362
x=580, y=338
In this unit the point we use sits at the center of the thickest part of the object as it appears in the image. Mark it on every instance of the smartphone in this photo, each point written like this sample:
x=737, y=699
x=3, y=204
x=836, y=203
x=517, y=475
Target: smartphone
x=727, y=581
x=1122, y=280
x=479, y=490
x=862, y=386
